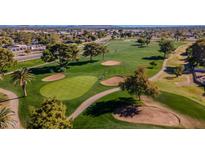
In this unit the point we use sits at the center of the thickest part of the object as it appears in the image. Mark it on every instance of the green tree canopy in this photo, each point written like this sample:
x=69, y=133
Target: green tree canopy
x=103, y=49
x=54, y=38
x=92, y=49
x=5, y=41
x=179, y=70
x=22, y=77
x=73, y=48
x=166, y=46
x=178, y=35
x=58, y=52
x=141, y=41
x=23, y=37
x=51, y=115
x=6, y=59
x=197, y=53
x=6, y=118
x=138, y=84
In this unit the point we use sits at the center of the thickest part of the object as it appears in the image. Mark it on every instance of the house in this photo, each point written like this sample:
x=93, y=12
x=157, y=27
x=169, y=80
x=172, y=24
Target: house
x=20, y=49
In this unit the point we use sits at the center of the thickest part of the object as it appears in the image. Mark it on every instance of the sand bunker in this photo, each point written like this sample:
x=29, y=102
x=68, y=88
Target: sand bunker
x=54, y=77
x=113, y=81
x=152, y=115
x=111, y=63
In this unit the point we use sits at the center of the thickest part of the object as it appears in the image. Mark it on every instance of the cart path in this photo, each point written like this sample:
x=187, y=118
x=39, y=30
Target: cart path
x=94, y=98
x=12, y=103
x=90, y=101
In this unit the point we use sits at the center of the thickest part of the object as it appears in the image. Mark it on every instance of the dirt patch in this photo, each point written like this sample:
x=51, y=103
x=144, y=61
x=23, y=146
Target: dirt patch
x=12, y=102
x=111, y=63
x=153, y=112
x=152, y=115
x=113, y=81
x=188, y=82
x=54, y=77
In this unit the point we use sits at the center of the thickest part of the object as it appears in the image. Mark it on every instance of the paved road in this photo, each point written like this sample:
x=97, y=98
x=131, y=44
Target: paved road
x=94, y=98
x=13, y=103
x=38, y=55
x=28, y=57
x=90, y=101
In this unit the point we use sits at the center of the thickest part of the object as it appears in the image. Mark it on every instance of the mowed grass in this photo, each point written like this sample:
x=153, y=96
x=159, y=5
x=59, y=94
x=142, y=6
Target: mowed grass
x=69, y=88
x=102, y=116
x=2, y=97
x=182, y=105
x=127, y=52
x=29, y=63
x=169, y=81
x=132, y=56
x=193, y=92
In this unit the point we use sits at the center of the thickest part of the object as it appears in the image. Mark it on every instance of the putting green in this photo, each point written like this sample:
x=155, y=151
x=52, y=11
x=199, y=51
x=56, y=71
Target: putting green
x=69, y=88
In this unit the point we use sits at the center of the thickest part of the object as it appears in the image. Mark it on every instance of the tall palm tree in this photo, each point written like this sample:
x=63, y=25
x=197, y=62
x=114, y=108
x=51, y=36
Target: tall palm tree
x=104, y=50
x=74, y=51
x=22, y=77
x=6, y=118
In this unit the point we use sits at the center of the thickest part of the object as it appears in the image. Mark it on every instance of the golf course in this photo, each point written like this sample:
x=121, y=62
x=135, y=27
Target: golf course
x=82, y=80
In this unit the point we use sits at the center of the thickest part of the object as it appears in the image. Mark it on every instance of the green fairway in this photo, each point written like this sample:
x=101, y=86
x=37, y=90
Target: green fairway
x=182, y=105
x=29, y=63
x=99, y=115
x=126, y=52
x=69, y=88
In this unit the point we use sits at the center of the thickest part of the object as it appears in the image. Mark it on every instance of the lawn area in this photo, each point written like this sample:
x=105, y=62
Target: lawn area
x=168, y=81
x=99, y=115
x=192, y=92
x=29, y=63
x=125, y=51
x=2, y=97
x=182, y=105
x=69, y=88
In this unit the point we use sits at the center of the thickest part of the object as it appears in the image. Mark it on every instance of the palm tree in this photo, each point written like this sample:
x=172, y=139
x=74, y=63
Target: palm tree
x=22, y=77
x=74, y=51
x=104, y=50
x=5, y=118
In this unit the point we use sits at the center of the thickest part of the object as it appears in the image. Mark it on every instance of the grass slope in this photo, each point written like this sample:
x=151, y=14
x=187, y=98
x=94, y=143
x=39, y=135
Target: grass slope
x=2, y=97
x=182, y=105
x=69, y=88
x=29, y=63
x=100, y=115
x=125, y=51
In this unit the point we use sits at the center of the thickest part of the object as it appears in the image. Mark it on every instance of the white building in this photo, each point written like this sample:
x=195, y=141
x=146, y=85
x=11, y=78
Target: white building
x=18, y=49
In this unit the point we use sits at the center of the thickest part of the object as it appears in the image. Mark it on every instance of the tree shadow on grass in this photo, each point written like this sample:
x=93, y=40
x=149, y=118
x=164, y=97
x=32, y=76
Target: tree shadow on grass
x=150, y=67
x=170, y=77
x=45, y=70
x=153, y=58
x=139, y=45
x=79, y=63
x=184, y=54
x=170, y=70
x=122, y=106
x=6, y=100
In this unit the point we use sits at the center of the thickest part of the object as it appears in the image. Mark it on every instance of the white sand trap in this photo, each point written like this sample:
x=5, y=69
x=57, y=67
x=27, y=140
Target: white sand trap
x=54, y=77
x=113, y=81
x=111, y=63
x=152, y=115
